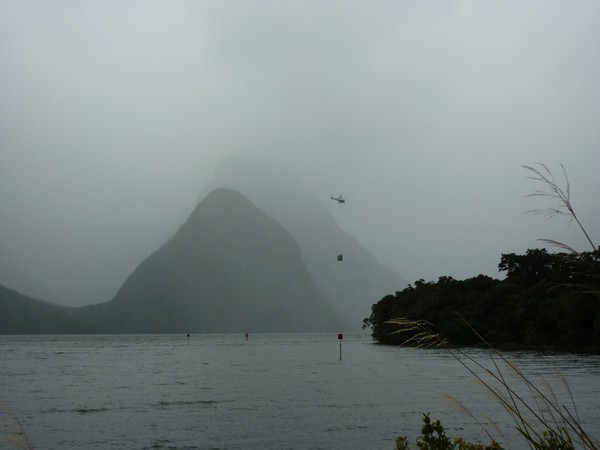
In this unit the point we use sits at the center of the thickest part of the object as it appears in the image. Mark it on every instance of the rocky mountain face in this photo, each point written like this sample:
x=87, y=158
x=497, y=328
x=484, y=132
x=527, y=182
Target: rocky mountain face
x=257, y=254
x=351, y=285
x=229, y=268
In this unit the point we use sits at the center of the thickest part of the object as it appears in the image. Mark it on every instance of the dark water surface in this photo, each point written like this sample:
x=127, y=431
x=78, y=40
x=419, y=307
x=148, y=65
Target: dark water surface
x=270, y=392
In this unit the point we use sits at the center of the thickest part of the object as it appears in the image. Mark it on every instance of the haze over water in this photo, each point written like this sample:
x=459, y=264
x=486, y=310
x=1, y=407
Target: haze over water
x=270, y=392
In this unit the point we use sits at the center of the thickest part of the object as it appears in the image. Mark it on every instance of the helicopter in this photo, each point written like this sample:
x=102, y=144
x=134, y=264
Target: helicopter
x=341, y=199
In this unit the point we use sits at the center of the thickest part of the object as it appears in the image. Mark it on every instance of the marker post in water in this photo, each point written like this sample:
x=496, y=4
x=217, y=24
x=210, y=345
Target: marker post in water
x=340, y=338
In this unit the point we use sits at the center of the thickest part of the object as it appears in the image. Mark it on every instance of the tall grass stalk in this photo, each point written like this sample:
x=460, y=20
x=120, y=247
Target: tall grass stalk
x=562, y=195
x=542, y=419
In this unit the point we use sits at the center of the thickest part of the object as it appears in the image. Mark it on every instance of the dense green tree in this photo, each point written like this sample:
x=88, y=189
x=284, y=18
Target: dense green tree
x=549, y=300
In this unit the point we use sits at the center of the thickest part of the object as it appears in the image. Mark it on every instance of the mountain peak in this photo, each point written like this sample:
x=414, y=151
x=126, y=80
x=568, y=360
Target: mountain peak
x=351, y=286
x=229, y=268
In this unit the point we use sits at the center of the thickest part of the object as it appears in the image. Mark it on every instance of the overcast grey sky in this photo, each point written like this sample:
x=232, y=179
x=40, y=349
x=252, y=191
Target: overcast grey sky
x=113, y=115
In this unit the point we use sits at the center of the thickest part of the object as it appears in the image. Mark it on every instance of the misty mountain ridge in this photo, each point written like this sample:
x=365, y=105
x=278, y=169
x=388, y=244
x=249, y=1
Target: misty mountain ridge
x=13, y=274
x=351, y=285
x=233, y=267
x=21, y=314
x=229, y=268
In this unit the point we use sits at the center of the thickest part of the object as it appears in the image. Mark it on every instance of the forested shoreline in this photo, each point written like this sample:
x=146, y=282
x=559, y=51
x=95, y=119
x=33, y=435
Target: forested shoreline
x=547, y=301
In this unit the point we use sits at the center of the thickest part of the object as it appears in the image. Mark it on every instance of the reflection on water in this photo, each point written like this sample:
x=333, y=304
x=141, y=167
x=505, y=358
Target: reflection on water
x=270, y=392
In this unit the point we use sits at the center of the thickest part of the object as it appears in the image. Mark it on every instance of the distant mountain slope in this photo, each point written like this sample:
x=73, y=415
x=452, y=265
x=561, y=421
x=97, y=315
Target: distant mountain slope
x=20, y=314
x=14, y=275
x=351, y=286
x=234, y=268
x=229, y=268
